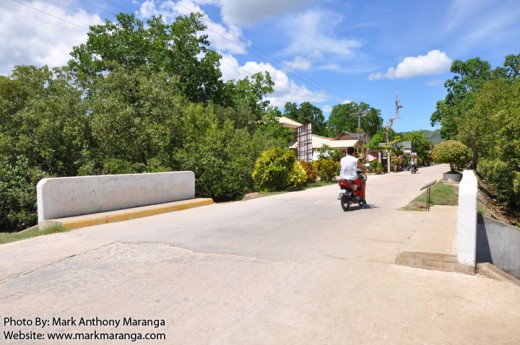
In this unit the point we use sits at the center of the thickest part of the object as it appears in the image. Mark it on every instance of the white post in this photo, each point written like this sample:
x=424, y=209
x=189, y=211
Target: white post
x=467, y=219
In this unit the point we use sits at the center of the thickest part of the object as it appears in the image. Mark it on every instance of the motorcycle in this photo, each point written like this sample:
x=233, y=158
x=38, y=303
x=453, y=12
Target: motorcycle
x=350, y=192
x=413, y=168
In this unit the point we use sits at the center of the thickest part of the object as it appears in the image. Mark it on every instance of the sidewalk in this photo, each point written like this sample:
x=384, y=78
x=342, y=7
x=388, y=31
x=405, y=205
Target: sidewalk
x=434, y=244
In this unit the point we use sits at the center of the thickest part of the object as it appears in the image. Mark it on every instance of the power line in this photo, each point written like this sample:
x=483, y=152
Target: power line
x=52, y=15
x=259, y=53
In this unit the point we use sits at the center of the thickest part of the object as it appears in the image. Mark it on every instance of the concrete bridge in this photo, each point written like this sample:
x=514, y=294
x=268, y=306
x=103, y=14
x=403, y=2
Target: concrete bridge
x=286, y=269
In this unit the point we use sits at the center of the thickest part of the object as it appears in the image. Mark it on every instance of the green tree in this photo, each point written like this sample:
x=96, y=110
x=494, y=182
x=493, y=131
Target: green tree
x=469, y=77
x=307, y=113
x=420, y=144
x=42, y=118
x=178, y=49
x=453, y=152
x=18, y=193
x=344, y=117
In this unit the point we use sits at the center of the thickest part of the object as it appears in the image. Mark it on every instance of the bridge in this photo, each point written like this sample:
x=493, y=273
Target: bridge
x=291, y=268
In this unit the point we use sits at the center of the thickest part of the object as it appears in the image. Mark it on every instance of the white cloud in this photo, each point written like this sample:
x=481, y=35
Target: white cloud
x=312, y=34
x=35, y=36
x=286, y=90
x=298, y=64
x=250, y=12
x=222, y=38
x=434, y=62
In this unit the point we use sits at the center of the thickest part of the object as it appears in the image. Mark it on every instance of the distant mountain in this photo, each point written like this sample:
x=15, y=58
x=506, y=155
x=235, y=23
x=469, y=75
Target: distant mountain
x=433, y=136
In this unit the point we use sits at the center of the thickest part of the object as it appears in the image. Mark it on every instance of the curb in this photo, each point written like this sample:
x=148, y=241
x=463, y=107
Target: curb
x=125, y=214
x=490, y=271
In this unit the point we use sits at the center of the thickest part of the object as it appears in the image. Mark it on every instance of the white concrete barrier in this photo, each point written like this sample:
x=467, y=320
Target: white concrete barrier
x=467, y=219
x=73, y=196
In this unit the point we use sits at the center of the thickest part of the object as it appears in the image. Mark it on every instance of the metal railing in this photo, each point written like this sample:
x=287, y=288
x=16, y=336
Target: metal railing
x=428, y=193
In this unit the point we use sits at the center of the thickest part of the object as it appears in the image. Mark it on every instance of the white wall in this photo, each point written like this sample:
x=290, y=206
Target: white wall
x=73, y=196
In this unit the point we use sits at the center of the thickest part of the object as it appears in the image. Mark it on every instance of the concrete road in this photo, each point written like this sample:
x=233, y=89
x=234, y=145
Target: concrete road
x=286, y=269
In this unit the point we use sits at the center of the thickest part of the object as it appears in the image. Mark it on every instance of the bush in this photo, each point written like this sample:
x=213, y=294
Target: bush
x=453, y=152
x=327, y=169
x=376, y=167
x=310, y=170
x=272, y=169
x=297, y=176
x=504, y=179
x=18, y=194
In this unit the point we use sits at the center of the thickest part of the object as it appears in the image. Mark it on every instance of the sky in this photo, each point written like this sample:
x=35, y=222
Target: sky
x=326, y=52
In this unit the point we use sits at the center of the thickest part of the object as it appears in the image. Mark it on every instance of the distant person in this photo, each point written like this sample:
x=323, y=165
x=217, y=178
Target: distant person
x=348, y=171
x=414, y=163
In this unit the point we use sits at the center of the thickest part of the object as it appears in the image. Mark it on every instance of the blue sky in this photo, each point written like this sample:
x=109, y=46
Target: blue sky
x=325, y=52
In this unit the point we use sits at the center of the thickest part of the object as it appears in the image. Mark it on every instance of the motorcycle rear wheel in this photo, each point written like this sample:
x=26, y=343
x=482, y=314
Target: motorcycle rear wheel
x=345, y=202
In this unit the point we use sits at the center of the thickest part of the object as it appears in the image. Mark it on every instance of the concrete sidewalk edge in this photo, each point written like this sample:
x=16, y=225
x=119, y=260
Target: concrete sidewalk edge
x=125, y=214
x=491, y=271
x=433, y=261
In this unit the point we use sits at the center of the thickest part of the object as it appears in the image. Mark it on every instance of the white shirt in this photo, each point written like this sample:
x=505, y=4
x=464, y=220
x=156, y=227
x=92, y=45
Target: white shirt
x=348, y=169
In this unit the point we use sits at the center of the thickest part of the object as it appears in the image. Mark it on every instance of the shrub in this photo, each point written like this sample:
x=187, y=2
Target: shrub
x=504, y=179
x=376, y=167
x=297, y=176
x=272, y=169
x=310, y=170
x=327, y=169
x=453, y=152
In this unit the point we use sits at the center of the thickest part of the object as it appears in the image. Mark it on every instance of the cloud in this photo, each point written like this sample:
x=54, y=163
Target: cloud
x=298, y=64
x=250, y=12
x=224, y=39
x=35, y=36
x=312, y=34
x=434, y=62
x=286, y=90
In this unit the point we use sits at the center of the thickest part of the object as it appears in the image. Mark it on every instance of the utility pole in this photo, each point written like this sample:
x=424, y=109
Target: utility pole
x=388, y=127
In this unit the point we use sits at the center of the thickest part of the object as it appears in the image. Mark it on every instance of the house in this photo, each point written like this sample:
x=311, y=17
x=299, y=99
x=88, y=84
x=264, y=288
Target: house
x=344, y=140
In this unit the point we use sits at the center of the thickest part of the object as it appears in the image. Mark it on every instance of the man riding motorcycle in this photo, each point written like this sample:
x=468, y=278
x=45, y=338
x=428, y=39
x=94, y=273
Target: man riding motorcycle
x=348, y=171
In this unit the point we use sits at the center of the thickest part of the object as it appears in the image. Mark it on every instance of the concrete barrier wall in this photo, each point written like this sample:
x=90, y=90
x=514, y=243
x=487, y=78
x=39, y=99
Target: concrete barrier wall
x=467, y=219
x=72, y=196
x=499, y=244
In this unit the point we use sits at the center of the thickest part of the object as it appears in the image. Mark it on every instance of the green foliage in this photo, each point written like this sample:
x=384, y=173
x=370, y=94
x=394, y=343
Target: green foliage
x=178, y=49
x=307, y=113
x=327, y=169
x=18, y=193
x=344, y=117
x=297, y=176
x=504, y=179
x=376, y=167
x=221, y=156
x=453, y=152
x=272, y=169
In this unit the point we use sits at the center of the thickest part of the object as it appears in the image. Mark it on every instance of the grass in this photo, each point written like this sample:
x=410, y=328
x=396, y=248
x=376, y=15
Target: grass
x=441, y=194
x=6, y=237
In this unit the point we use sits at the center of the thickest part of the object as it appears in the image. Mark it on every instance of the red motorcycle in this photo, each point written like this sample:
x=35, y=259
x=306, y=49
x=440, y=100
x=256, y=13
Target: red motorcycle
x=350, y=192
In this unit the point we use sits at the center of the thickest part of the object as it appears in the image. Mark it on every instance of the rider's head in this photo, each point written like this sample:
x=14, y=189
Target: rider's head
x=350, y=151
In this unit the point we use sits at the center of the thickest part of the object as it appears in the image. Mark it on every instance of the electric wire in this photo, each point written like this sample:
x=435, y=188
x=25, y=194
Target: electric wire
x=256, y=51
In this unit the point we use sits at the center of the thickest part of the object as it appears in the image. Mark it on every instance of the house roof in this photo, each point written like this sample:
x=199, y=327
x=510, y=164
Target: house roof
x=289, y=123
x=318, y=142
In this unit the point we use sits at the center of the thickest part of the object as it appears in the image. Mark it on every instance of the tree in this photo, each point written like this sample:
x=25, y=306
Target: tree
x=493, y=127
x=420, y=144
x=42, y=119
x=344, y=117
x=177, y=49
x=469, y=77
x=453, y=152
x=307, y=113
